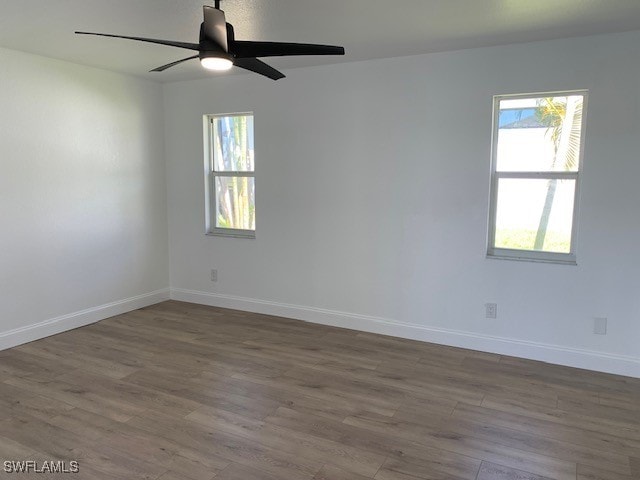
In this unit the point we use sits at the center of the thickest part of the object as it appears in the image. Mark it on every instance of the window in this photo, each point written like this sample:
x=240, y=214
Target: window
x=536, y=161
x=230, y=171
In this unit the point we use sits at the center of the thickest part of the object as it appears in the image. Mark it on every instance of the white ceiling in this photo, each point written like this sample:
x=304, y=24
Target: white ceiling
x=367, y=29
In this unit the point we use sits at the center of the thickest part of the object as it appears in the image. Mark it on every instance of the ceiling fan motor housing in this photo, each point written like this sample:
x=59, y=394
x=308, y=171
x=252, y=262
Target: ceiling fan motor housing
x=209, y=48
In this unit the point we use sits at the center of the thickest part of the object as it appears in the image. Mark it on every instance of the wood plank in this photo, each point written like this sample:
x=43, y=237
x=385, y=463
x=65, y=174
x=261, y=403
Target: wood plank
x=522, y=440
x=250, y=452
x=331, y=472
x=43, y=437
x=492, y=471
x=287, y=395
x=15, y=363
x=307, y=388
x=105, y=462
x=284, y=439
x=583, y=379
x=171, y=475
x=543, y=428
x=15, y=401
x=444, y=465
x=588, y=472
x=12, y=450
x=197, y=391
x=79, y=396
x=635, y=466
x=606, y=426
x=236, y=471
x=628, y=417
x=401, y=378
x=382, y=442
x=464, y=441
x=88, y=362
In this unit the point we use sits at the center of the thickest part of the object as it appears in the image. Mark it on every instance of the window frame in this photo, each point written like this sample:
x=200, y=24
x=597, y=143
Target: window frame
x=210, y=175
x=534, y=255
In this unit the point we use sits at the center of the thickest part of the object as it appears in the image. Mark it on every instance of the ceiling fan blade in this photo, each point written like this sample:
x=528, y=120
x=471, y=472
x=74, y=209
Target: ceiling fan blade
x=189, y=46
x=172, y=64
x=255, y=65
x=247, y=49
x=215, y=26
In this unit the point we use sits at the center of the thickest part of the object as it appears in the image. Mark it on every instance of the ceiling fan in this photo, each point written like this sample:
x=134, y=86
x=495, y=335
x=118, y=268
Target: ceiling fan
x=219, y=50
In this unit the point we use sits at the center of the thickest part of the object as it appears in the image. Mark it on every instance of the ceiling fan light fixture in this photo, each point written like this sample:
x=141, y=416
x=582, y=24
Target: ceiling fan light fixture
x=216, y=63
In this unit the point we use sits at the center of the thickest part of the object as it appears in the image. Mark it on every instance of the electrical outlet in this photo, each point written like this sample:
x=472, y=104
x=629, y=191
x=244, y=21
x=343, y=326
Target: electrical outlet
x=491, y=310
x=214, y=275
x=600, y=326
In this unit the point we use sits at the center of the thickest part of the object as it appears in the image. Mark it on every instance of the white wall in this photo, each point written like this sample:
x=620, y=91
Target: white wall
x=82, y=196
x=373, y=185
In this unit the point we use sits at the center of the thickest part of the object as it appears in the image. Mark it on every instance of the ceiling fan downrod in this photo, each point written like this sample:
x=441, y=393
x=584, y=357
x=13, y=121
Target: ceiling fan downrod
x=217, y=4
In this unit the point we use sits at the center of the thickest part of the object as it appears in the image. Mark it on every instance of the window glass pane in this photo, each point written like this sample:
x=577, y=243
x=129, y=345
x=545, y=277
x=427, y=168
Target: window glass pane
x=535, y=214
x=539, y=134
x=233, y=143
x=236, y=203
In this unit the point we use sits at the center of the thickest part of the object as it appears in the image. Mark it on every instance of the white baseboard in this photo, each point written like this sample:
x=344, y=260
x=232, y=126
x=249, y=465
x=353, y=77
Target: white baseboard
x=19, y=336
x=556, y=354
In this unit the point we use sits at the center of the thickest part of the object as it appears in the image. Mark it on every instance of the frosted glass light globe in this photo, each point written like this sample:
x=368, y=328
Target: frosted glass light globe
x=216, y=63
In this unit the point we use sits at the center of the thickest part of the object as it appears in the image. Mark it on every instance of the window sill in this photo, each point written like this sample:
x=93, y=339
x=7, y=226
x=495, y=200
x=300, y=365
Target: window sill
x=531, y=256
x=232, y=234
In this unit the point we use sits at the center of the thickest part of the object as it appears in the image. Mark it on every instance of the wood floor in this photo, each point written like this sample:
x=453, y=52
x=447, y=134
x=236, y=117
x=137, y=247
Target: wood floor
x=180, y=391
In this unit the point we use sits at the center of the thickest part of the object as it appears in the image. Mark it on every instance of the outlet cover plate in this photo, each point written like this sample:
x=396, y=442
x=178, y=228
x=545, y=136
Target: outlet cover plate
x=600, y=326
